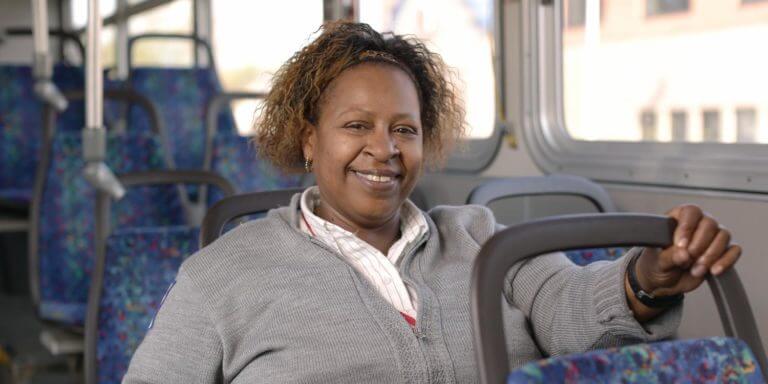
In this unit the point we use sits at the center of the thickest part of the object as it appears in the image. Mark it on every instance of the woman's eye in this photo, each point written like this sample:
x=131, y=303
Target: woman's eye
x=355, y=126
x=406, y=130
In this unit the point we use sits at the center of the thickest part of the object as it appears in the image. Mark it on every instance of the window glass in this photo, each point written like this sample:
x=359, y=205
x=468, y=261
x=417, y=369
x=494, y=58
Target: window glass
x=79, y=11
x=657, y=7
x=251, y=39
x=461, y=31
x=174, y=17
x=711, y=58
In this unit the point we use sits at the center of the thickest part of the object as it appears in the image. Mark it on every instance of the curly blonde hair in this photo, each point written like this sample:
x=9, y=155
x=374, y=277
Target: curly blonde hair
x=297, y=90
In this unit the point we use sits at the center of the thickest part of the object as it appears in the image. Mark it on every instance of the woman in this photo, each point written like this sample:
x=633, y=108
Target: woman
x=352, y=283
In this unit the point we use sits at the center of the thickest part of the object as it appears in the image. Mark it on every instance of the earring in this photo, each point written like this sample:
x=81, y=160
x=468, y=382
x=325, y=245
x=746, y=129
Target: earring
x=308, y=164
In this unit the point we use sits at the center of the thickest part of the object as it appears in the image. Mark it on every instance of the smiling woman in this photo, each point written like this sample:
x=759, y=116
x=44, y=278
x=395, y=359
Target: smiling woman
x=352, y=283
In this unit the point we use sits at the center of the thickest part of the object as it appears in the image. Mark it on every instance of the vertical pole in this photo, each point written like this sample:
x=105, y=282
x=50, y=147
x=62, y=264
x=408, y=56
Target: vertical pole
x=96, y=172
x=121, y=45
x=40, y=23
x=93, y=77
x=42, y=68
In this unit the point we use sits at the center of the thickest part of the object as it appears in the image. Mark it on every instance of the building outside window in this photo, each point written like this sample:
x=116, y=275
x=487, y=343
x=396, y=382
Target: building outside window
x=576, y=13
x=746, y=125
x=679, y=125
x=648, y=125
x=661, y=7
x=710, y=125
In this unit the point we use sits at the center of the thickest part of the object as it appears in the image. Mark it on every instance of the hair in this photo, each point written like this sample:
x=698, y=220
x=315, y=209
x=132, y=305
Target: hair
x=295, y=97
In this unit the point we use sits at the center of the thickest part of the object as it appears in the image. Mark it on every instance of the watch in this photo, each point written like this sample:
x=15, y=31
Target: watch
x=644, y=297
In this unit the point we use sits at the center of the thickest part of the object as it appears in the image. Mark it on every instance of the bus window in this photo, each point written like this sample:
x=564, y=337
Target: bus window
x=174, y=17
x=675, y=58
x=251, y=39
x=459, y=30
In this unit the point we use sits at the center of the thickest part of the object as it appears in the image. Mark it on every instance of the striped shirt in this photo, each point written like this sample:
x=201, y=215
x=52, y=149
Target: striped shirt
x=381, y=270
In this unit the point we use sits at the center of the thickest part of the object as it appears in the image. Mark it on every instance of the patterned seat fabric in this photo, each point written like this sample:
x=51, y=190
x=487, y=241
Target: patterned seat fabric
x=585, y=256
x=21, y=126
x=140, y=266
x=712, y=360
x=235, y=159
x=181, y=96
x=67, y=217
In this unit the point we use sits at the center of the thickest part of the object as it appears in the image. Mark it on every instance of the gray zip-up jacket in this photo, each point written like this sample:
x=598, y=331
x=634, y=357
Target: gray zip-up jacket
x=268, y=304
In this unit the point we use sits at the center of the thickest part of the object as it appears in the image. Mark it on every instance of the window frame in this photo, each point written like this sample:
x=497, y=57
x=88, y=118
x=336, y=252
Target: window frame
x=719, y=166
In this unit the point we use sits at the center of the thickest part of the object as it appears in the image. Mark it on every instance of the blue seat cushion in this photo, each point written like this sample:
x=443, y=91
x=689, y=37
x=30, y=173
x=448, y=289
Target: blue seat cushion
x=66, y=223
x=711, y=360
x=181, y=96
x=21, y=126
x=591, y=255
x=140, y=266
x=234, y=157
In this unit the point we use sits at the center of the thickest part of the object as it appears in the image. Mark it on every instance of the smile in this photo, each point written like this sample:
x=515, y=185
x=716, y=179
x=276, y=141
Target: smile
x=376, y=178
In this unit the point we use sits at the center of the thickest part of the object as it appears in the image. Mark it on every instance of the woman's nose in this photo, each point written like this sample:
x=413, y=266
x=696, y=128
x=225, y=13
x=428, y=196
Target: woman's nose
x=381, y=145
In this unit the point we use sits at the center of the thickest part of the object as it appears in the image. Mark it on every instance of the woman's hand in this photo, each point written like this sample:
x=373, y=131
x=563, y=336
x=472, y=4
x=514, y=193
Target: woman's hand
x=700, y=246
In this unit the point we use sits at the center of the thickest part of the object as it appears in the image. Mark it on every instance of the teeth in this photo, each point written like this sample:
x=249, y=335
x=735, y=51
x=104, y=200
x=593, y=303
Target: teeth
x=376, y=178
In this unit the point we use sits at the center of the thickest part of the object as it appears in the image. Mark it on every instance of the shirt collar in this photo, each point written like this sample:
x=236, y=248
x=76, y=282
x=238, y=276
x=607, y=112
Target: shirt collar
x=413, y=225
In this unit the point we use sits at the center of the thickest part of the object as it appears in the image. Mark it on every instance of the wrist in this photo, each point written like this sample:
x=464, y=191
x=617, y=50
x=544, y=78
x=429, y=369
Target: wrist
x=646, y=292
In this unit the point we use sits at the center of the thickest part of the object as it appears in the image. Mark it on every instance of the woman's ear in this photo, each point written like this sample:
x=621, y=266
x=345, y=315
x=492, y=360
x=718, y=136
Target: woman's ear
x=308, y=140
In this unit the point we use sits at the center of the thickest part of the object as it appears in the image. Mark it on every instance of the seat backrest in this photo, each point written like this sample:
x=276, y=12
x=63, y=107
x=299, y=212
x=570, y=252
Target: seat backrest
x=134, y=267
x=181, y=95
x=234, y=207
x=523, y=241
x=61, y=237
x=538, y=187
x=141, y=264
x=711, y=360
x=550, y=185
x=21, y=126
x=234, y=156
x=236, y=160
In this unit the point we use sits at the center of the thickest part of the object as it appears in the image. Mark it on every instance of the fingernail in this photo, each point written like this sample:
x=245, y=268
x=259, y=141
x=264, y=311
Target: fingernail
x=682, y=243
x=698, y=270
x=716, y=270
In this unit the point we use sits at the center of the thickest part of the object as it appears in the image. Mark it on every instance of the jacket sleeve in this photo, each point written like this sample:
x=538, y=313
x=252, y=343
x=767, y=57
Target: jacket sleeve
x=573, y=309
x=182, y=344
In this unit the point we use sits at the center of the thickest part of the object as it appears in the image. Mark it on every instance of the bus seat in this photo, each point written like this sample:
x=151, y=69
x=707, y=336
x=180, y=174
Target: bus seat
x=531, y=187
x=234, y=156
x=235, y=207
x=181, y=96
x=134, y=268
x=709, y=360
x=21, y=124
x=62, y=223
x=141, y=265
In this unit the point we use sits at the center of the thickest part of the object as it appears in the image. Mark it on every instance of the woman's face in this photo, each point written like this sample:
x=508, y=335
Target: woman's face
x=367, y=146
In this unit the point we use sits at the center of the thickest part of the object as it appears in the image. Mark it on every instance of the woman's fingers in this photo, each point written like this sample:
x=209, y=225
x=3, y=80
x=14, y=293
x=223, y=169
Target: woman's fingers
x=703, y=236
x=688, y=217
x=717, y=247
x=727, y=260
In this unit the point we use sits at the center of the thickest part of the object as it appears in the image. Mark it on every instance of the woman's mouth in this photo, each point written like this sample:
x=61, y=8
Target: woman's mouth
x=375, y=178
x=378, y=180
